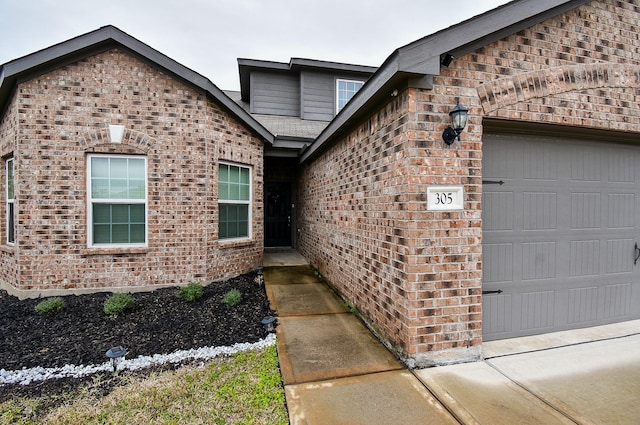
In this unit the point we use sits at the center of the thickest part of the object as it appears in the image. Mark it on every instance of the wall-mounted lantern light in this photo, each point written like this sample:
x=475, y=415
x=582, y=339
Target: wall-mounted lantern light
x=458, y=122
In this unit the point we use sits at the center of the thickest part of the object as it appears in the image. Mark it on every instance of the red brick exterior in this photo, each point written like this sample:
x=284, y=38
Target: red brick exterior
x=56, y=119
x=416, y=275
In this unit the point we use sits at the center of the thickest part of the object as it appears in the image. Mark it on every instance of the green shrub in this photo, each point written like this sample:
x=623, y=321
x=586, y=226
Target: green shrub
x=232, y=298
x=118, y=303
x=192, y=292
x=51, y=306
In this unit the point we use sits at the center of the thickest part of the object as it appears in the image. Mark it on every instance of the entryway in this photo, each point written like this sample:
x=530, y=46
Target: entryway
x=277, y=214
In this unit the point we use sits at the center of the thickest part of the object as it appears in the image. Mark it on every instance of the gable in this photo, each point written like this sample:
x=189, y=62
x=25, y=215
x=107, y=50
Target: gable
x=102, y=40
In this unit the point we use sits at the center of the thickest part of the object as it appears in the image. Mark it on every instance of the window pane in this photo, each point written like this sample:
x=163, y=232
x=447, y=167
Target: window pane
x=136, y=169
x=223, y=190
x=10, y=224
x=10, y=179
x=345, y=91
x=244, y=193
x=222, y=231
x=234, y=192
x=243, y=212
x=99, y=167
x=118, y=178
x=119, y=213
x=118, y=167
x=136, y=189
x=118, y=189
x=243, y=228
x=137, y=233
x=244, y=175
x=118, y=223
x=234, y=221
x=101, y=233
x=232, y=213
x=120, y=233
x=136, y=212
x=224, y=173
x=101, y=213
x=100, y=188
x=234, y=174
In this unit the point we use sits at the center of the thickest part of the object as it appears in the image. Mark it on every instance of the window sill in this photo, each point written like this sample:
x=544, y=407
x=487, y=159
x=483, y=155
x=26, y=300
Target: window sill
x=235, y=243
x=9, y=249
x=99, y=250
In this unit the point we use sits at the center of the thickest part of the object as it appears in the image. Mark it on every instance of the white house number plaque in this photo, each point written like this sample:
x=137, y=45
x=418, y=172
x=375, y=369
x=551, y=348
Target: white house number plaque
x=440, y=198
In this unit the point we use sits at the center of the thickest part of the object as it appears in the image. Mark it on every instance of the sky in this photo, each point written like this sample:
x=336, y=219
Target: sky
x=209, y=36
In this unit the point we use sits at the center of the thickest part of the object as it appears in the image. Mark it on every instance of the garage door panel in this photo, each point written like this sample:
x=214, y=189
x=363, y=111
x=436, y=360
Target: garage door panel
x=541, y=162
x=498, y=261
x=622, y=166
x=497, y=314
x=616, y=300
x=501, y=163
x=538, y=260
x=499, y=207
x=583, y=305
x=540, y=210
x=584, y=258
x=585, y=164
x=559, y=240
x=619, y=256
x=621, y=210
x=537, y=310
x=585, y=210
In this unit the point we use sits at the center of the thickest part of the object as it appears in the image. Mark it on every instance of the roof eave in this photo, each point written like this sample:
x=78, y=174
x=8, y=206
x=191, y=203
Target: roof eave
x=103, y=39
x=422, y=58
x=480, y=31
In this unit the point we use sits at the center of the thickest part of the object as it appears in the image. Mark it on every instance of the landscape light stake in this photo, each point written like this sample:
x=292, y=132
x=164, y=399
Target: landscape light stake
x=116, y=355
x=268, y=323
x=260, y=278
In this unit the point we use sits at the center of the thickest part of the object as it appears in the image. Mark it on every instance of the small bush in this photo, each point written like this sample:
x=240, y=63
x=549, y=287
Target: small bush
x=192, y=292
x=232, y=298
x=118, y=303
x=51, y=306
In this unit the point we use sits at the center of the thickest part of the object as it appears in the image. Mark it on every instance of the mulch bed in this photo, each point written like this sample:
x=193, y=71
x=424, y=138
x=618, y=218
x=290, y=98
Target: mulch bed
x=160, y=323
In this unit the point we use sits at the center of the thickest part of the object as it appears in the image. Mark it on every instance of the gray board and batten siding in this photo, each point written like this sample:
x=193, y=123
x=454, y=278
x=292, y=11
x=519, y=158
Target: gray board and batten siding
x=274, y=93
x=310, y=95
x=559, y=234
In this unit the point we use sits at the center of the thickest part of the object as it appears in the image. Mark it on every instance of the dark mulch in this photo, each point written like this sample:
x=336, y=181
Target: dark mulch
x=160, y=323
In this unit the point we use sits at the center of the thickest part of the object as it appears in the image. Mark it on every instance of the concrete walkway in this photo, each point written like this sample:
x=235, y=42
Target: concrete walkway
x=336, y=372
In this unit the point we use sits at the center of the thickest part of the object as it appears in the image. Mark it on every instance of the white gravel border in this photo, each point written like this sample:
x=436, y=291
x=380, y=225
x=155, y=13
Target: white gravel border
x=27, y=376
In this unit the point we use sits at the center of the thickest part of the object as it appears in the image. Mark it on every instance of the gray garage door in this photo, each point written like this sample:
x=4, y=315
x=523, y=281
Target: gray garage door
x=559, y=234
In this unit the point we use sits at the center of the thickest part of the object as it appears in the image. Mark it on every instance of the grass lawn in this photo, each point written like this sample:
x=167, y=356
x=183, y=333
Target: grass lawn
x=245, y=388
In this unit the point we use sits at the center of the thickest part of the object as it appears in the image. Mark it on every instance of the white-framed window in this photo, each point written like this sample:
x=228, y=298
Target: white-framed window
x=11, y=237
x=117, y=201
x=345, y=90
x=234, y=201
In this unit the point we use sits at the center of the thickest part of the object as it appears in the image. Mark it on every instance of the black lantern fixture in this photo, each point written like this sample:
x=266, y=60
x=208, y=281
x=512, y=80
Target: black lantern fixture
x=458, y=122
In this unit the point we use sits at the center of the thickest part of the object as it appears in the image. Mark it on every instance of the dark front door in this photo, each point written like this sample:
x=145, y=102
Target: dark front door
x=277, y=207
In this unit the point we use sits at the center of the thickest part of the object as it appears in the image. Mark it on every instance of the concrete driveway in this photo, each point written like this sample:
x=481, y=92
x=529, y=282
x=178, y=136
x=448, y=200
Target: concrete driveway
x=591, y=383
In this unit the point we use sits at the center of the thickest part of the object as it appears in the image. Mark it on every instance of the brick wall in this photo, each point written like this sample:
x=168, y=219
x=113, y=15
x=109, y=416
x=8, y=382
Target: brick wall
x=414, y=274
x=8, y=135
x=64, y=115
